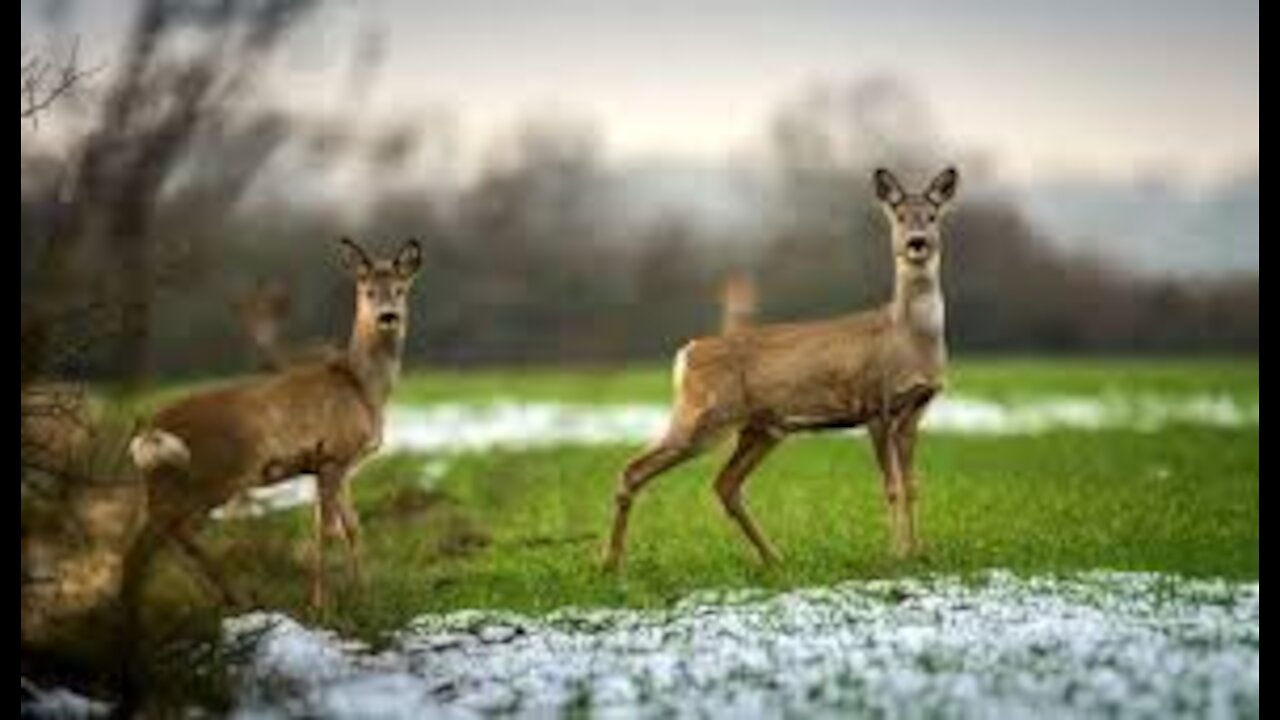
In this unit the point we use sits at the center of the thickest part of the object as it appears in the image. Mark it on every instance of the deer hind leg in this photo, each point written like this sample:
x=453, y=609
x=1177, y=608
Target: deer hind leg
x=138, y=563
x=680, y=444
x=884, y=441
x=754, y=444
x=207, y=567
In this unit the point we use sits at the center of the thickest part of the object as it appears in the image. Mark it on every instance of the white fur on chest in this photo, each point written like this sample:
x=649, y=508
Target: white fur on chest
x=927, y=313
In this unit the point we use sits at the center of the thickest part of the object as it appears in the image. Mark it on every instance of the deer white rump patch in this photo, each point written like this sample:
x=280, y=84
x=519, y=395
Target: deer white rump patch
x=680, y=366
x=151, y=449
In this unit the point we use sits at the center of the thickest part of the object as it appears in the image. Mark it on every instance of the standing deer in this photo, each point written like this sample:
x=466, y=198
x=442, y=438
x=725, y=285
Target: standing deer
x=316, y=419
x=879, y=368
x=737, y=302
x=261, y=312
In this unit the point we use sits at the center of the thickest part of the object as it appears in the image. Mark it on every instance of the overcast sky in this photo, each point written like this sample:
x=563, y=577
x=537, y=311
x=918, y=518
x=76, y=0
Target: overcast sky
x=1047, y=87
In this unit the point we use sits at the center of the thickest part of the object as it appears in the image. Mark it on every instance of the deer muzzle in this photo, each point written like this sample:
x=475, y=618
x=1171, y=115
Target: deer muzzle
x=388, y=321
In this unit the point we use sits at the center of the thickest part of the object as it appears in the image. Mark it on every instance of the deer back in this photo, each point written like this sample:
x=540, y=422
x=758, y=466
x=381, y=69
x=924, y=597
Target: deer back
x=267, y=430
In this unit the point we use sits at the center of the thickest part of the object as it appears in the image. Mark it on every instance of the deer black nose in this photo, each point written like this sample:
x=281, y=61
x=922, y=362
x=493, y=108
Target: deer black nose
x=388, y=319
x=917, y=245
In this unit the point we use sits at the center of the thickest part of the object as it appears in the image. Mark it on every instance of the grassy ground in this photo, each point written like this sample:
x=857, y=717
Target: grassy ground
x=521, y=530
x=995, y=378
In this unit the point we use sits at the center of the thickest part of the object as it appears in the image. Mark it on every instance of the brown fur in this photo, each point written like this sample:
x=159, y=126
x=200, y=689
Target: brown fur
x=318, y=419
x=879, y=368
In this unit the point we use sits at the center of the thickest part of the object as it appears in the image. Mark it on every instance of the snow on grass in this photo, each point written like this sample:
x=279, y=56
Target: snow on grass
x=453, y=428
x=457, y=427
x=1113, y=644
x=59, y=704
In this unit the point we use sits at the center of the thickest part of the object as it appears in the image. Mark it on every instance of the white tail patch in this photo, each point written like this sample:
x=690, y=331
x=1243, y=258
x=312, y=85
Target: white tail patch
x=152, y=449
x=680, y=366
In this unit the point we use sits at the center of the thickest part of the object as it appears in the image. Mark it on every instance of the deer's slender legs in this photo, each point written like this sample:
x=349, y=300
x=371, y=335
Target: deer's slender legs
x=206, y=566
x=321, y=520
x=883, y=439
x=906, y=433
x=326, y=521
x=350, y=529
x=335, y=514
x=753, y=445
x=677, y=447
x=137, y=568
x=181, y=528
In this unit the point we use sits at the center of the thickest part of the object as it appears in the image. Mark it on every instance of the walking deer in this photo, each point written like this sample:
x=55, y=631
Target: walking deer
x=316, y=419
x=878, y=368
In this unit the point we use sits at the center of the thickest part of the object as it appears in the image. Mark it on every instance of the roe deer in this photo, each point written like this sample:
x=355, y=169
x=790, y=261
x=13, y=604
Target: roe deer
x=737, y=302
x=879, y=368
x=261, y=312
x=316, y=419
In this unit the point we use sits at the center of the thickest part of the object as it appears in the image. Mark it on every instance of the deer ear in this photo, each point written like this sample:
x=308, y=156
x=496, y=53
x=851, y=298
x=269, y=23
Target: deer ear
x=354, y=258
x=888, y=189
x=409, y=259
x=943, y=188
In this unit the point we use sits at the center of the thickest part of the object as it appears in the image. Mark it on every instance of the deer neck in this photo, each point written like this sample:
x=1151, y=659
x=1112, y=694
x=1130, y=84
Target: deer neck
x=918, y=306
x=375, y=358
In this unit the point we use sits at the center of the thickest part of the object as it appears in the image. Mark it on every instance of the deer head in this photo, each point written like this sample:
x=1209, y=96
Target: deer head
x=261, y=311
x=915, y=219
x=382, y=288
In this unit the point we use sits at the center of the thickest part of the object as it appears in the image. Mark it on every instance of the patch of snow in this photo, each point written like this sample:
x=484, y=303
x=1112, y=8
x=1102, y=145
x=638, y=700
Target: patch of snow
x=269, y=499
x=302, y=491
x=1114, y=644
x=456, y=428
x=963, y=415
x=59, y=704
x=460, y=427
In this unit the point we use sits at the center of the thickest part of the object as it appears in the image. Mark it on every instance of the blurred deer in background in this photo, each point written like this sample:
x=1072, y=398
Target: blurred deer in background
x=879, y=368
x=262, y=312
x=737, y=302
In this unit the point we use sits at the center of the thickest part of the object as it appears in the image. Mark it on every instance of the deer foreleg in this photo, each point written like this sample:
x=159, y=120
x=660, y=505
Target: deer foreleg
x=884, y=441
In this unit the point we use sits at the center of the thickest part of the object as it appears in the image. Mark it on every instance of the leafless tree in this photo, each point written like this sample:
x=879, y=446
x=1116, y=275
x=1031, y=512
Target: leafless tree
x=92, y=266
x=46, y=79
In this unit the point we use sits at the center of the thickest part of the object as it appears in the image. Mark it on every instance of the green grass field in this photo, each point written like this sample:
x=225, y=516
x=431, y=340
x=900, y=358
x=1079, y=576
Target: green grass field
x=521, y=530
x=995, y=378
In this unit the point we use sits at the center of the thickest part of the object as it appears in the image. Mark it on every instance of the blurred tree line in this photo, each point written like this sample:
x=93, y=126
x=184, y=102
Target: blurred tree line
x=184, y=196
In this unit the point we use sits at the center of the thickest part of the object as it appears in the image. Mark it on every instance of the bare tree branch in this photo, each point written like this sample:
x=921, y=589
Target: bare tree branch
x=45, y=81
